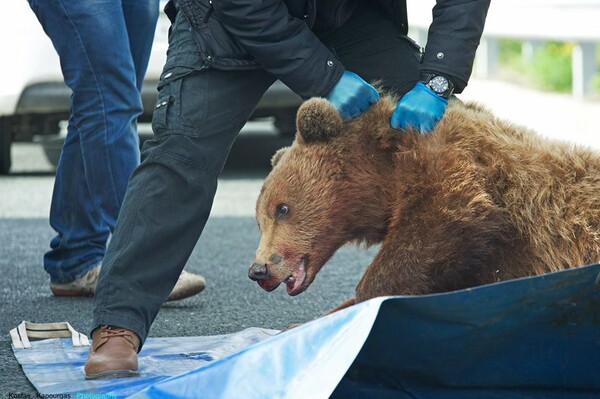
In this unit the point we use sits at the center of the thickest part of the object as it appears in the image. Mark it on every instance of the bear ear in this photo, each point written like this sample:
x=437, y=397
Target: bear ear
x=277, y=156
x=317, y=120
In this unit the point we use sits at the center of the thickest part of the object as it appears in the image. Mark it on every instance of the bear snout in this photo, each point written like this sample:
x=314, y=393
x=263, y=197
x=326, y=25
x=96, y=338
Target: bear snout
x=259, y=271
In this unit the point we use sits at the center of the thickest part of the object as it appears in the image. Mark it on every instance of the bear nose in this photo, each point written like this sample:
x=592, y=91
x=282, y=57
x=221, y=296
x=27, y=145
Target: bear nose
x=259, y=271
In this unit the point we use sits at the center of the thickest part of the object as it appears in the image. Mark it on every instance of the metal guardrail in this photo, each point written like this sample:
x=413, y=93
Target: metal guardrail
x=533, y=22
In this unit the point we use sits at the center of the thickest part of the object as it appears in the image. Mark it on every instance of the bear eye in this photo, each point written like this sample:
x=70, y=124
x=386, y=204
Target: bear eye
x=282, y=210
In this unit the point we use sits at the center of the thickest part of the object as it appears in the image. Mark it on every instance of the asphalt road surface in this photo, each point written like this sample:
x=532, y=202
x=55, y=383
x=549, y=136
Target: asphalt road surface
x=231, y=302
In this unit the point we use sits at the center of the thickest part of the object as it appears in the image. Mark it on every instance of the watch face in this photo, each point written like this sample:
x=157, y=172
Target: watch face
x=439, y=84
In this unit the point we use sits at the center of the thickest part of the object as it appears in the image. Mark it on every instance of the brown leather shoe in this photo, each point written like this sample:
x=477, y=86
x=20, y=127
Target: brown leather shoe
x=113, y=354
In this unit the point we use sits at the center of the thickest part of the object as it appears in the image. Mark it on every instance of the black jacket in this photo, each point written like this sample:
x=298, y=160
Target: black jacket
x=276, y=35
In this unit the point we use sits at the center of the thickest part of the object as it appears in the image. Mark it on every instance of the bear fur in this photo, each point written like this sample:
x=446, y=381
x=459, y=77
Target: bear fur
x=475, y=201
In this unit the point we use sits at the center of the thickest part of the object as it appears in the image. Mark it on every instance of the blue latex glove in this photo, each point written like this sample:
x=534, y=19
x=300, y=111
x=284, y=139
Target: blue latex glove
x=420, y=109
x=351, y=95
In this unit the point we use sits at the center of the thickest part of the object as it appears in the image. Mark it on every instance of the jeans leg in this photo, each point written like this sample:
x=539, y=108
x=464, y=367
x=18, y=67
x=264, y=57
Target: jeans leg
x=80, y=242
x=140, y=18
x=170, y=194
x=90, y=184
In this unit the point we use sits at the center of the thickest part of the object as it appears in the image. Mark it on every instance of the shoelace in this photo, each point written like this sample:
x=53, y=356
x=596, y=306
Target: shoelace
x=109, y=332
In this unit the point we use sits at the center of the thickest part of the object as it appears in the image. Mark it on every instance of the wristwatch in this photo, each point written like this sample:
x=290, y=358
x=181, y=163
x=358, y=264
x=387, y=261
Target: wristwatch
x=439, y=84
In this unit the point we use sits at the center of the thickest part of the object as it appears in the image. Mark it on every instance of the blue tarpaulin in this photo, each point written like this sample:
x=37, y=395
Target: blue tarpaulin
x=54, y=366
x=536, y=337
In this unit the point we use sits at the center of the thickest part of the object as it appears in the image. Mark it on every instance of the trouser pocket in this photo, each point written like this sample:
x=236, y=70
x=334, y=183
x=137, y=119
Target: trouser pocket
x=182, y=105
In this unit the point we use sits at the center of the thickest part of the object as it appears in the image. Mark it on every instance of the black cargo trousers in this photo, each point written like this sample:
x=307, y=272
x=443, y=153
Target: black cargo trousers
x=198, y=115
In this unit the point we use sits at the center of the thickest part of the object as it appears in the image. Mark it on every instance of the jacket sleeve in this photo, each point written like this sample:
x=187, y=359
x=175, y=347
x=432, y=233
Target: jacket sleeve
x=453, y=38
x=282, y=44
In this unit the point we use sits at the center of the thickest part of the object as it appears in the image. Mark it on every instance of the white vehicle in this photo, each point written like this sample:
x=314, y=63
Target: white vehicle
x=34, y=98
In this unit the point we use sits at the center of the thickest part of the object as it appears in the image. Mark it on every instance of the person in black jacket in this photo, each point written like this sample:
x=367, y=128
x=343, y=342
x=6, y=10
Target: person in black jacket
x=223, y=55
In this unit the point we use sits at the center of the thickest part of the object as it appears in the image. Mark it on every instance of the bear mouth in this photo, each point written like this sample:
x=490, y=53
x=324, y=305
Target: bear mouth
x=294, y=282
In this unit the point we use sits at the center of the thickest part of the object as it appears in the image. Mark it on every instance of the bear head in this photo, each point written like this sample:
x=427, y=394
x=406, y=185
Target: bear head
x=296, y=208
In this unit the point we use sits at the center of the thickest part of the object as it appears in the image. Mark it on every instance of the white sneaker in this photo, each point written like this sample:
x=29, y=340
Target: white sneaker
x=187, y=285
x=83, y=286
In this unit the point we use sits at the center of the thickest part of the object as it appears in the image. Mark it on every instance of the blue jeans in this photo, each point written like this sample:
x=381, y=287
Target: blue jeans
x=104, y=47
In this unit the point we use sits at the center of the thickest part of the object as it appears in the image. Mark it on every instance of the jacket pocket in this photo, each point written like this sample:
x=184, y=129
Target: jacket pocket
x=218, y=47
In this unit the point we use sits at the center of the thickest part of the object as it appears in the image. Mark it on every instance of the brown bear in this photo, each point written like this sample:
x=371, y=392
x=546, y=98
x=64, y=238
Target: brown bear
x=478, y=200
